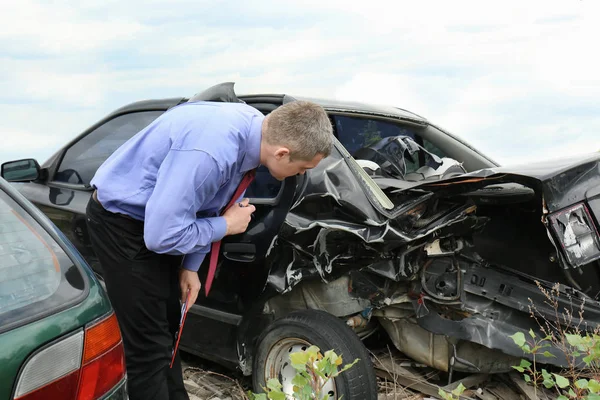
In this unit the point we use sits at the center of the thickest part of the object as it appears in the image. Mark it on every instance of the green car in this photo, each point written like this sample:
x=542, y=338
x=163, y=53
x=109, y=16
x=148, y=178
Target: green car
x=59, y=337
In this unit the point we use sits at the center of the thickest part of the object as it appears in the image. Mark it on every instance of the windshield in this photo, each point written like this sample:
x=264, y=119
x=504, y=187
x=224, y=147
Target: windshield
x=397, y=156
x=373, y=190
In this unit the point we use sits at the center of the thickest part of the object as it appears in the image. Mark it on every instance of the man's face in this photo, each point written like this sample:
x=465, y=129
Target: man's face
x=281, y=167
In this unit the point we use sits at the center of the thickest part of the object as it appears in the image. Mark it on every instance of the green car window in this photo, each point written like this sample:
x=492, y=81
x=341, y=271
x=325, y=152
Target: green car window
x=36, y=275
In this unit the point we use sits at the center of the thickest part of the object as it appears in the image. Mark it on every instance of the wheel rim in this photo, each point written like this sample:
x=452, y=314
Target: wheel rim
x=278, y=366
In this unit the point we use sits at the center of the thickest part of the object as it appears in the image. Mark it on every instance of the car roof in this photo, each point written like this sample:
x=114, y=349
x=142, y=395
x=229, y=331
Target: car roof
x=331, y=105
x=364, y=108
x=148, y=105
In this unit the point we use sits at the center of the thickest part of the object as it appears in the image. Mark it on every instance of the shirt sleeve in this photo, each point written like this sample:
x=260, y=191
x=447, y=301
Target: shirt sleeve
x=193, y=261
x=186, y=180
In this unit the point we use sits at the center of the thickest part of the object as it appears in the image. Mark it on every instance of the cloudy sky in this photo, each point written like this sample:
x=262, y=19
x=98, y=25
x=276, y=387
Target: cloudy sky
x=520, y=80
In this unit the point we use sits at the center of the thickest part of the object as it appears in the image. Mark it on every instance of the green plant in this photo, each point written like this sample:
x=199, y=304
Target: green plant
x=566, y=387
x=313, y=371
x=454, y=394
x=580, y=379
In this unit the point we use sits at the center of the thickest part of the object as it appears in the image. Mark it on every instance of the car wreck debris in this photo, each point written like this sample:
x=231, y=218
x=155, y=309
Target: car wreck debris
x=446, y=264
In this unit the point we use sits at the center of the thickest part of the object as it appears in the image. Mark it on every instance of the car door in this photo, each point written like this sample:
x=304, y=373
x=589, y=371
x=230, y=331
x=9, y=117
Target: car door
x=242, y=270
x=212, y=326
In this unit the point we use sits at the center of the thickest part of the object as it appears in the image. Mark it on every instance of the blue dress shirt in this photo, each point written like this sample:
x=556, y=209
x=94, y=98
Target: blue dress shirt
x=179, y=172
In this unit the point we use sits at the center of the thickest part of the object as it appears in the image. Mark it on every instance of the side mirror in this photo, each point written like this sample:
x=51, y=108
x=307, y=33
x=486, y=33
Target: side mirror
x=25, y=170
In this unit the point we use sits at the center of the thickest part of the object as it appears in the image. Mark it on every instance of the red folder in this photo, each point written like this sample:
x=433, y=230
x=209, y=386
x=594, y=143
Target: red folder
x=184, y=310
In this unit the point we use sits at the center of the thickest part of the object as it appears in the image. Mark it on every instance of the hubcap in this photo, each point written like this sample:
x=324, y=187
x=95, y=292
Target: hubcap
x=278, y=366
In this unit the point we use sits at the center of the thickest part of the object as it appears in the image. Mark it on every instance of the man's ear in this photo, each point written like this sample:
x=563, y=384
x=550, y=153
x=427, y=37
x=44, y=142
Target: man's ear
x=281, y=153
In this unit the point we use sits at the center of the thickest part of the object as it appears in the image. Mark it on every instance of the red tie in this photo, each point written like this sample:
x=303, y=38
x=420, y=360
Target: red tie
x=216, y=246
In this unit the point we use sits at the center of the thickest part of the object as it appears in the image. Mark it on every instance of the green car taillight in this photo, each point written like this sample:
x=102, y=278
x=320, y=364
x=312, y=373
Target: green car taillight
x=83, y=366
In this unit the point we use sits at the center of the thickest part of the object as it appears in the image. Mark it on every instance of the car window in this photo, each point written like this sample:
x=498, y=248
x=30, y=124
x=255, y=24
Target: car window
x=371, y=188
x=264, y=185
x=81, y=160
x=36, y=275
x=433, y=149
x=358, y=133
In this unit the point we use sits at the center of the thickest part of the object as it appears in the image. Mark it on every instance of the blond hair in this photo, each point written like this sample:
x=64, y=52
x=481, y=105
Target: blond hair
x=301, y=126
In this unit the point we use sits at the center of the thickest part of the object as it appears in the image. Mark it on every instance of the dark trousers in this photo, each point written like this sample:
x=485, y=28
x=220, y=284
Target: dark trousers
x=143, y=288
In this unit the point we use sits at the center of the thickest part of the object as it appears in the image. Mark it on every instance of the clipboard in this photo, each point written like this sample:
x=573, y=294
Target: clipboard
x=184, y=310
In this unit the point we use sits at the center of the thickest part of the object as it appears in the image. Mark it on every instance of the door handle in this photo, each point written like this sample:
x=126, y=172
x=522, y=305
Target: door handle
x=242, y=252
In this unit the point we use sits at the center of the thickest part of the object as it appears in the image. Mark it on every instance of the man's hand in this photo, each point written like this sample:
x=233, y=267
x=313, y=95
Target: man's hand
x=188, y=280
x=238, y=217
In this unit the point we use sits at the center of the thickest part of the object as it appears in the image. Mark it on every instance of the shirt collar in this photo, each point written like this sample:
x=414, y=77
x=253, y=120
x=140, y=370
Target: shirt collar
x=251, y=157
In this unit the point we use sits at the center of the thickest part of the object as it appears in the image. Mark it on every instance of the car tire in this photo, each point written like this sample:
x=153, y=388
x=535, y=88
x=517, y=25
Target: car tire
x=301, y=329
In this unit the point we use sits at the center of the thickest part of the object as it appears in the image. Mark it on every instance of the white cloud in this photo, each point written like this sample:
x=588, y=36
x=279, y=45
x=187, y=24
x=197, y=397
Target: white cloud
x=76, y=88
x=555, y=150
x=15, y=141
x=38, y=129
x=385, y=88
x=60, y=28
x=494, y=73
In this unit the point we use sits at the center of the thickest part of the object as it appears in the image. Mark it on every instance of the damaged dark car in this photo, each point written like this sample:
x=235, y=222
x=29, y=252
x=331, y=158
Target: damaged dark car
x=404, y=229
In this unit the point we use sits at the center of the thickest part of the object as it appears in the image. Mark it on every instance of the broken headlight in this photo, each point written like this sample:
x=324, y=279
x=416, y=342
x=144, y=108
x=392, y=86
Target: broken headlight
x=578, y=236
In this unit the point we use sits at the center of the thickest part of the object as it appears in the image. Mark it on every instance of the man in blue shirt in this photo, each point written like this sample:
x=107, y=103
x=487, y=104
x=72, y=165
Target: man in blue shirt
x=157, y=210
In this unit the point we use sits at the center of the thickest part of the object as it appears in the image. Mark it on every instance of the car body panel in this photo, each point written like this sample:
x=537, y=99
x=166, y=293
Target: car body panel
x=20, y=343
x=565, y=181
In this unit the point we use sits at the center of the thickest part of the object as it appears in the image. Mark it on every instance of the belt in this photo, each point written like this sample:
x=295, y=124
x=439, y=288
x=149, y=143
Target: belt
x=95, y=197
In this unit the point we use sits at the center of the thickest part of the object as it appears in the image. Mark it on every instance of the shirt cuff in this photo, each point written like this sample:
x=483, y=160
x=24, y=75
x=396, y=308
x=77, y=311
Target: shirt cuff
x=219, y=226
x=192, y=261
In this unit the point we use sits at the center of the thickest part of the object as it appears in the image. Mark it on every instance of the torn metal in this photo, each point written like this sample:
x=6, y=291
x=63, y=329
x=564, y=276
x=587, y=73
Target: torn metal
x=456, y=255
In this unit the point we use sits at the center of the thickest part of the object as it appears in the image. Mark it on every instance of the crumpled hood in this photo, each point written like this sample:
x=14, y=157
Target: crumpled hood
x=335, y=225
x=563, y=182
x=542, y=170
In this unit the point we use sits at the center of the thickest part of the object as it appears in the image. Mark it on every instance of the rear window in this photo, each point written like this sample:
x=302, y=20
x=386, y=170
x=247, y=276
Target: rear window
x=36, y=275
